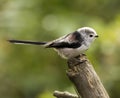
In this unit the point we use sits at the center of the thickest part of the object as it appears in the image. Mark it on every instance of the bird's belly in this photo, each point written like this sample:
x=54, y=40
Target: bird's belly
x=71, y=52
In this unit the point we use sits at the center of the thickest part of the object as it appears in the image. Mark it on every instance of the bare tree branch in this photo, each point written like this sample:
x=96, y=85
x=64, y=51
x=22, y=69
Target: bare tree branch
x=59, y=94
x=82, y=74
x=85, y=79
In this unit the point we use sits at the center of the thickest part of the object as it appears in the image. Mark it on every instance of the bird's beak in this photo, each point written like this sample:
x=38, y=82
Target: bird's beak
x=96, y=36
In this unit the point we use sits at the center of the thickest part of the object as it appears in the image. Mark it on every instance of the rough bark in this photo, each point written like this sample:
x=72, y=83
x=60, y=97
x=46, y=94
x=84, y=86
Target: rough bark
x=82, y=74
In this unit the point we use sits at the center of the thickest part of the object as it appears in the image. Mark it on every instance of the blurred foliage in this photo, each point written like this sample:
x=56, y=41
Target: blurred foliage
x=35, y=72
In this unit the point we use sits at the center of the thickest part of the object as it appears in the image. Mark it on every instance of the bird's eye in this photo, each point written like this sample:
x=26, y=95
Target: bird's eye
x=91, y=35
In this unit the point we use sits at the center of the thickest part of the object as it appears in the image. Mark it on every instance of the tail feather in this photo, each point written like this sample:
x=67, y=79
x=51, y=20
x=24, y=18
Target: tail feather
x=26, y=42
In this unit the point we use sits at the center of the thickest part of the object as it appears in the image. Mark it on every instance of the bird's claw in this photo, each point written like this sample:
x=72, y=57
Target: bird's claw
x=75, y=61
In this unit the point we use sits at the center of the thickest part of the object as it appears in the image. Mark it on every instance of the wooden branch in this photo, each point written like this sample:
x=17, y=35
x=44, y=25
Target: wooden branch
x=85, y=79
x=59, y=94
x=83, y=76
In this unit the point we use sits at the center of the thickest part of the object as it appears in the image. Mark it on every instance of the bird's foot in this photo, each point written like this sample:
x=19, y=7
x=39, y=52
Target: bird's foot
x=76, y=61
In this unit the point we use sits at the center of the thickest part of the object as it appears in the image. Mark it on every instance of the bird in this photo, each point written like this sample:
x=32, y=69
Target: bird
x=69, y=46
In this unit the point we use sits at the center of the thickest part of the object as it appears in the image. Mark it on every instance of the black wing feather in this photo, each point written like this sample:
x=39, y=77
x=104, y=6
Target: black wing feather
x=76, y=41
x=64, y=45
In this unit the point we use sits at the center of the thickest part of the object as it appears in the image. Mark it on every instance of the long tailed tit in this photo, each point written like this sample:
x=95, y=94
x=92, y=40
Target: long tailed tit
x=70, y=45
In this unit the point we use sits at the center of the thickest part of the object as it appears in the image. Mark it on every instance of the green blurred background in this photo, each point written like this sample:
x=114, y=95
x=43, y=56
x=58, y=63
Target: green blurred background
x=35, y=72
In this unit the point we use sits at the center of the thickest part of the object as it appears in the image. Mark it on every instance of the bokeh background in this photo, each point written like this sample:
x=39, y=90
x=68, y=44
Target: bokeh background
x=35, y=72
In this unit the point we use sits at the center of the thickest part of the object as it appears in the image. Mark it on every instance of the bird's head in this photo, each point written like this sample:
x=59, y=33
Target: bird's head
x=88, y=34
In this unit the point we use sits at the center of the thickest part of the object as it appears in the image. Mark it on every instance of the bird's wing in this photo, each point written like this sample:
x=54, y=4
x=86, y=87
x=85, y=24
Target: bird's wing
x=72, y=40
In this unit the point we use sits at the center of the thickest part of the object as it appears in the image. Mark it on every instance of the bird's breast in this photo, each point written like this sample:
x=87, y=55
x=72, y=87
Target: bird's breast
x=71, y=52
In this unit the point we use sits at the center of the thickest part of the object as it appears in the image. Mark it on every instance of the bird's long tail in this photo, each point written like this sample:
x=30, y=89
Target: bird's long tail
x=26, y=42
